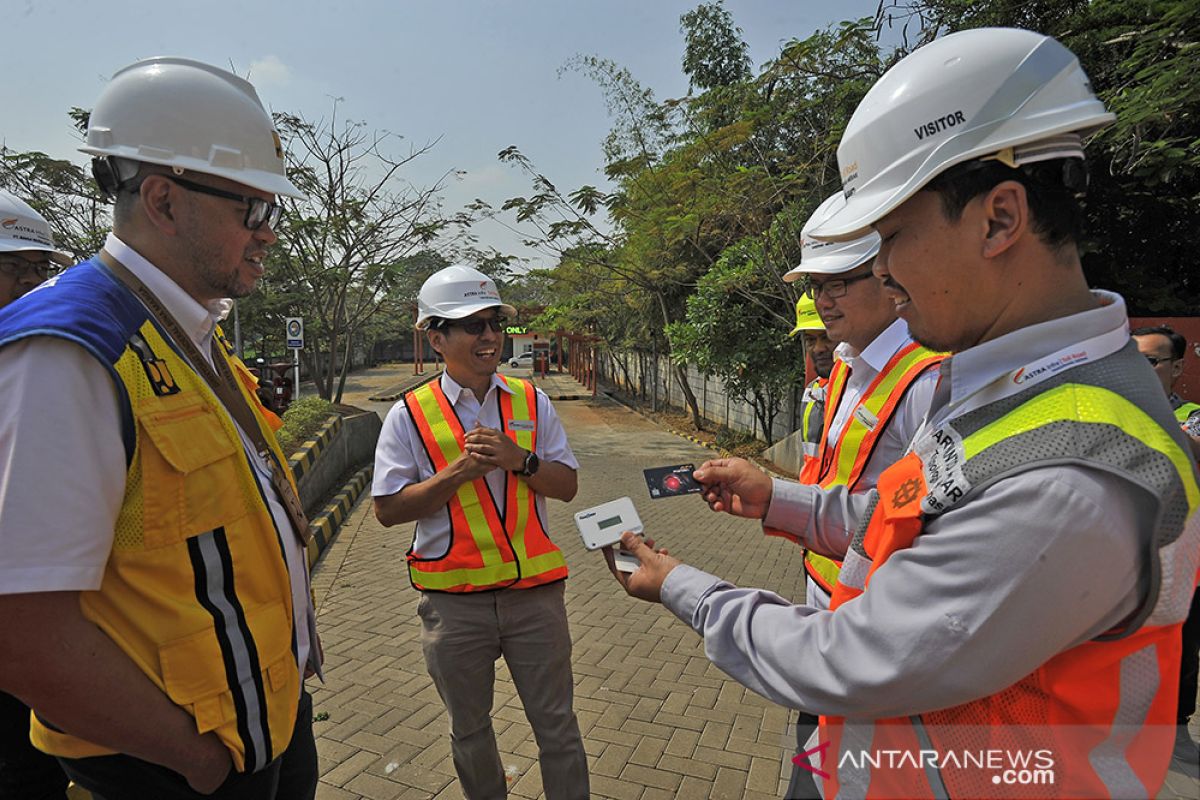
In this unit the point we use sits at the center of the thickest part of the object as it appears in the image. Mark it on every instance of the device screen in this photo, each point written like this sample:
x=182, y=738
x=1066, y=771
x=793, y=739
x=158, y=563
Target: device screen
x=608, y=523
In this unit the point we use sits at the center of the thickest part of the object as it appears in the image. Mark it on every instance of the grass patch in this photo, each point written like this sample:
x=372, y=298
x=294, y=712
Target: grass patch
x=303, y=418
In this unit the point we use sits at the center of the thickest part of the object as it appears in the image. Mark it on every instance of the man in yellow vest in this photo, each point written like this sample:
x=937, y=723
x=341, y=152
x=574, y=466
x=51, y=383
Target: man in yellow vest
x=472, y=457
x=1007, y=619
x=880, y=382
x=819, y=348
x=27, y=258
x=153, y=579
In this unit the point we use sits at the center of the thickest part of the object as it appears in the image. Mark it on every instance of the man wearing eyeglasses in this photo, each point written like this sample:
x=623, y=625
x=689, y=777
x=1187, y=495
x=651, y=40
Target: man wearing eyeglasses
x=471, y=457
x=153, y=578
x=881, y=380
x=1165, y=349
x=27, y=258
x=27, y=253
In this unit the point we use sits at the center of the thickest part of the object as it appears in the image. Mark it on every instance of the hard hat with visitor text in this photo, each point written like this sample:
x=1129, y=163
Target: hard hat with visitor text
x=188, y=115
x=458, y=291
x=964, y=96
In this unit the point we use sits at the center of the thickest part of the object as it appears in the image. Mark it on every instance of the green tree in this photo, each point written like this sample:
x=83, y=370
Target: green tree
x=345, y=248
x=714, y=52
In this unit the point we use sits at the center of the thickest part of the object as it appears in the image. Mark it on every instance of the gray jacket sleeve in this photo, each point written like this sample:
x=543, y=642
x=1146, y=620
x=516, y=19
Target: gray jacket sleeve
x=992, y=589
x=823, y=519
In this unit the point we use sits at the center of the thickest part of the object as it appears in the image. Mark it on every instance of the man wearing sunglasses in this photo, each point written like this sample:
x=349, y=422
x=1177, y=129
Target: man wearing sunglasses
x=153, y=579
x=27, y=258
x=471, y=457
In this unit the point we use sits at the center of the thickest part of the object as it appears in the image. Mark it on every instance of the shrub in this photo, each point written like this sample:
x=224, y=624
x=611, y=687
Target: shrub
x=303, y=418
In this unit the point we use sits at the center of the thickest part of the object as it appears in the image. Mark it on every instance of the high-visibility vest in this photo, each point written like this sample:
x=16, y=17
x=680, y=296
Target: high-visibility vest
x=488, y=550
x=812, y=419
x=1186, y=410
x=841, y=463
x=196, y=590
x=1099, y=716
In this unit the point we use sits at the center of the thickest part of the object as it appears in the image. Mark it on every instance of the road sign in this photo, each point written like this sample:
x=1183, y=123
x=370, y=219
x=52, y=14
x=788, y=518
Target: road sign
x=295, y=332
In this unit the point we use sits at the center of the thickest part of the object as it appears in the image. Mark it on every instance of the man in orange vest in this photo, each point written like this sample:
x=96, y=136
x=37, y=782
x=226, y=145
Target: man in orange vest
x=471, y=457
x=1007, y=619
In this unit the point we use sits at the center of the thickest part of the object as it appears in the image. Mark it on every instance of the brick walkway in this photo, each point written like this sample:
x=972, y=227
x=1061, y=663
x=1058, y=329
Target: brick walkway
x=658, y=720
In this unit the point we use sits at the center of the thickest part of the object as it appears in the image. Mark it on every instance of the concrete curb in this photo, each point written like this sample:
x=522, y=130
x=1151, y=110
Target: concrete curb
x=325, y=525
x=302, y=460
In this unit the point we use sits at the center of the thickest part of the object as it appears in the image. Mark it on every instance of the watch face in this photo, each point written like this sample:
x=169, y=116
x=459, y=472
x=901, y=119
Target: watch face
x=531, y=463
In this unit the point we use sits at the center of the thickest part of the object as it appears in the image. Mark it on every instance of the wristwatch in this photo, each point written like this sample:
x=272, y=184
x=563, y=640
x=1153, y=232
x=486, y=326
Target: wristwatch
x=531, y=465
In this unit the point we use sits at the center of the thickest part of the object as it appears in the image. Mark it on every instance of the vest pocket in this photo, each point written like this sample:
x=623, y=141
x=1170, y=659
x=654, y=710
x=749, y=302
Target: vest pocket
x=190, y=477
x=196, y=671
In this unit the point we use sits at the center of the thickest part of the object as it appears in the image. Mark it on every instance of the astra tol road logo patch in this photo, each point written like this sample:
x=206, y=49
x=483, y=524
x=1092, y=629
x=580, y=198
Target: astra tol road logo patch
x=8, y=223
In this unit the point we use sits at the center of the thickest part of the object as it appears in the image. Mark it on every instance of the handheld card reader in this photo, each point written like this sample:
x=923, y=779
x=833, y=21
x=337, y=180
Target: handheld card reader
x=602, y=525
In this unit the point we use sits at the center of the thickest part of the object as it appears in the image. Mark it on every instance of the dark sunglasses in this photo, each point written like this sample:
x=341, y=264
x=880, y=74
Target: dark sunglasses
x=19, y=268
x=474, y=327
x=834, y=289
x=258, y=211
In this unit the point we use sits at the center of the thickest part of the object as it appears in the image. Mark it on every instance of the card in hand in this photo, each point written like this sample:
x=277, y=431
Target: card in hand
x=671, y=481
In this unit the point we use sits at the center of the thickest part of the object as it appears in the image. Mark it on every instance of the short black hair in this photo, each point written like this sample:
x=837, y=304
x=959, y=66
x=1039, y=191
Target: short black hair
x=1053, y=188
x=1178, y=343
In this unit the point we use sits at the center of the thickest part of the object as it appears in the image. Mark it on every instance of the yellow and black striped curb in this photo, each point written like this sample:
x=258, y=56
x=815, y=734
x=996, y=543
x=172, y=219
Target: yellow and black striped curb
x=303, y=459
x=326, y=524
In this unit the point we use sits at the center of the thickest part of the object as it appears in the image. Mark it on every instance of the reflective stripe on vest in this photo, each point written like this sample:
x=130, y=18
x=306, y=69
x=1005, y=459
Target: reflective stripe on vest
x=1186, y=410
x=487, y=550
x=842, y=464
x=812, y=419
x=1103, y=710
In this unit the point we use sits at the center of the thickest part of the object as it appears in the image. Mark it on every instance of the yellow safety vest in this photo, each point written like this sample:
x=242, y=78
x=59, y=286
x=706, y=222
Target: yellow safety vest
x=196, y=590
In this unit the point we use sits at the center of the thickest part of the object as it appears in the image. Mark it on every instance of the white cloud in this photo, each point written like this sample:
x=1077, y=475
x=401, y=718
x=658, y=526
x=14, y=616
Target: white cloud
x=269, y=71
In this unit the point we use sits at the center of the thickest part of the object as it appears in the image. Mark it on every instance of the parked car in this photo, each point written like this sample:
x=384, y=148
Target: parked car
x=523, y=360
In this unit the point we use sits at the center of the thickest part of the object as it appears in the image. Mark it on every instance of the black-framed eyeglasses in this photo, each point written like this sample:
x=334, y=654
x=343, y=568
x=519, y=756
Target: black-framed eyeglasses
x=19, y=268
x=1156, y=360
x=474, y=327
x=258, y=210
x=834, y=289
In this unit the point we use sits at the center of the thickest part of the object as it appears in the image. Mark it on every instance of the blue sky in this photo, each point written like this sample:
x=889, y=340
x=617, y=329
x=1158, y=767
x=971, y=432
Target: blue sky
x=480, y=76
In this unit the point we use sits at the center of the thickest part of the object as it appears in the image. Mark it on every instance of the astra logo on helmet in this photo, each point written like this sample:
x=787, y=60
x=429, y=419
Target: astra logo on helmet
x=940, y=124
x=8, y=223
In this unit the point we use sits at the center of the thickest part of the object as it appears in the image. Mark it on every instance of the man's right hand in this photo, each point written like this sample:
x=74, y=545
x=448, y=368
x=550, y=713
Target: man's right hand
x=735, y=486
x=469, y=466
x=210, y=767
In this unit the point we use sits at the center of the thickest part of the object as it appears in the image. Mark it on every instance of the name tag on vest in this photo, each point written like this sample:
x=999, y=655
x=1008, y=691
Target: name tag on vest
x=522, y=425
x=863, y=415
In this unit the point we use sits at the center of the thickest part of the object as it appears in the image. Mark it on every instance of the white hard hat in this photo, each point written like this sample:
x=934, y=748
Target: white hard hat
x=829, y=258
x=22, y=228
x=191, y=116
x=966, y=95
x=456, y=292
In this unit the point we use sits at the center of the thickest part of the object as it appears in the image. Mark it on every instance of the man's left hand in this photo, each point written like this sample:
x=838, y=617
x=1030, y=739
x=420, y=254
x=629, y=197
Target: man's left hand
x=496, y=448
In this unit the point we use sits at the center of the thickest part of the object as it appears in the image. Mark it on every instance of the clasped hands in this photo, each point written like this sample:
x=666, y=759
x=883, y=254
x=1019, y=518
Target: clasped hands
x=732, y=485
x=488, y=449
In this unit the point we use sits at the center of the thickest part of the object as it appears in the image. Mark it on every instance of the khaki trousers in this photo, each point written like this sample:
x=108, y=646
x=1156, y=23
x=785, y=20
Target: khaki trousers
x=462, y=635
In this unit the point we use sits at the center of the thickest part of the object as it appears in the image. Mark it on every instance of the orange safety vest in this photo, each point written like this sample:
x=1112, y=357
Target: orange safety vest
x=812, y=421
x=488, y=549
x=1095, y=720
x=841, y=463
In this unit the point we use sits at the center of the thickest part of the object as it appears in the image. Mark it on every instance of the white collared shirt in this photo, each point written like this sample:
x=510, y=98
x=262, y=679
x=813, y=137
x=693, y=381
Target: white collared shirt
x=906, y=419
x=400, y=458
x=65, y=467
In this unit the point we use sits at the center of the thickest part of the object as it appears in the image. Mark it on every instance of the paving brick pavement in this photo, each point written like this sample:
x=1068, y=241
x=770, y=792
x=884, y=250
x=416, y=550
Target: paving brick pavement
x=658, y=720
